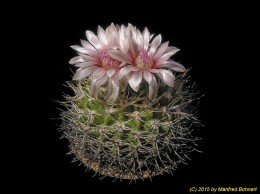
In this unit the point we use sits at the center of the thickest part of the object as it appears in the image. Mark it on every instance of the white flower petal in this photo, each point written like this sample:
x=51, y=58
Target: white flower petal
x=114, y=91
x=124, y=82
x=155, y=70
x=178, y=67
x=133, y=48
x=89, y=48
x=136, y=80
x=161, y=50
x=122, y=64
x=167, y=77
x=101, y=80
x=119, y=56
x=86, y=64
x=146, y=37
x=77, y=59
x=111, y=34
x=173, y=65
x=139, y=40
x=132, y=86
x=153, y=88
x=89, y=58
x=111, y=72
x=151, y=37
x=96, y=84
x=123, y=39
x=79, y=49
x=125, y=70
x=81, y=73
x=148, y=76
x=102, y=36
x=168, y=53
x=155, y=44
x=98, y=73
x=172, y=50
x=93, y=39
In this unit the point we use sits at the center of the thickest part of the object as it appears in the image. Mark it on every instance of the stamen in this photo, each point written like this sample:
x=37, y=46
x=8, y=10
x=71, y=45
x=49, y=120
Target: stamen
x=108, y=61
x=143, y=61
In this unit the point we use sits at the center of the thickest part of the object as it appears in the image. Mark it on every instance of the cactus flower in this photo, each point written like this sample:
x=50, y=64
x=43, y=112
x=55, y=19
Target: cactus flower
x=132, y=113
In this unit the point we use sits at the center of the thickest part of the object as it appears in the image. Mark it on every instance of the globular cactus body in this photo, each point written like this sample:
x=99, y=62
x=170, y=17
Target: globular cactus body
x=133, y=137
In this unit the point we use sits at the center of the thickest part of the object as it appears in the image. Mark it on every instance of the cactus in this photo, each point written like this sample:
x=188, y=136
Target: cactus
x=127, y=133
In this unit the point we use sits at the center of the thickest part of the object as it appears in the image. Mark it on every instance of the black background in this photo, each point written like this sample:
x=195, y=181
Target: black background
x=215, y=40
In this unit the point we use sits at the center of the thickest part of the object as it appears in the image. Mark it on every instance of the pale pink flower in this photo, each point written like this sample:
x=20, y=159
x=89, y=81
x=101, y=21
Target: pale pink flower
x=145, y=59
x=94, y=61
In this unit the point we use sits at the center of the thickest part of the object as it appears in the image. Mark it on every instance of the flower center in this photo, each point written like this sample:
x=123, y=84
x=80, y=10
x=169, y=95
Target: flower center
x=108, y=62
x=143, y=61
